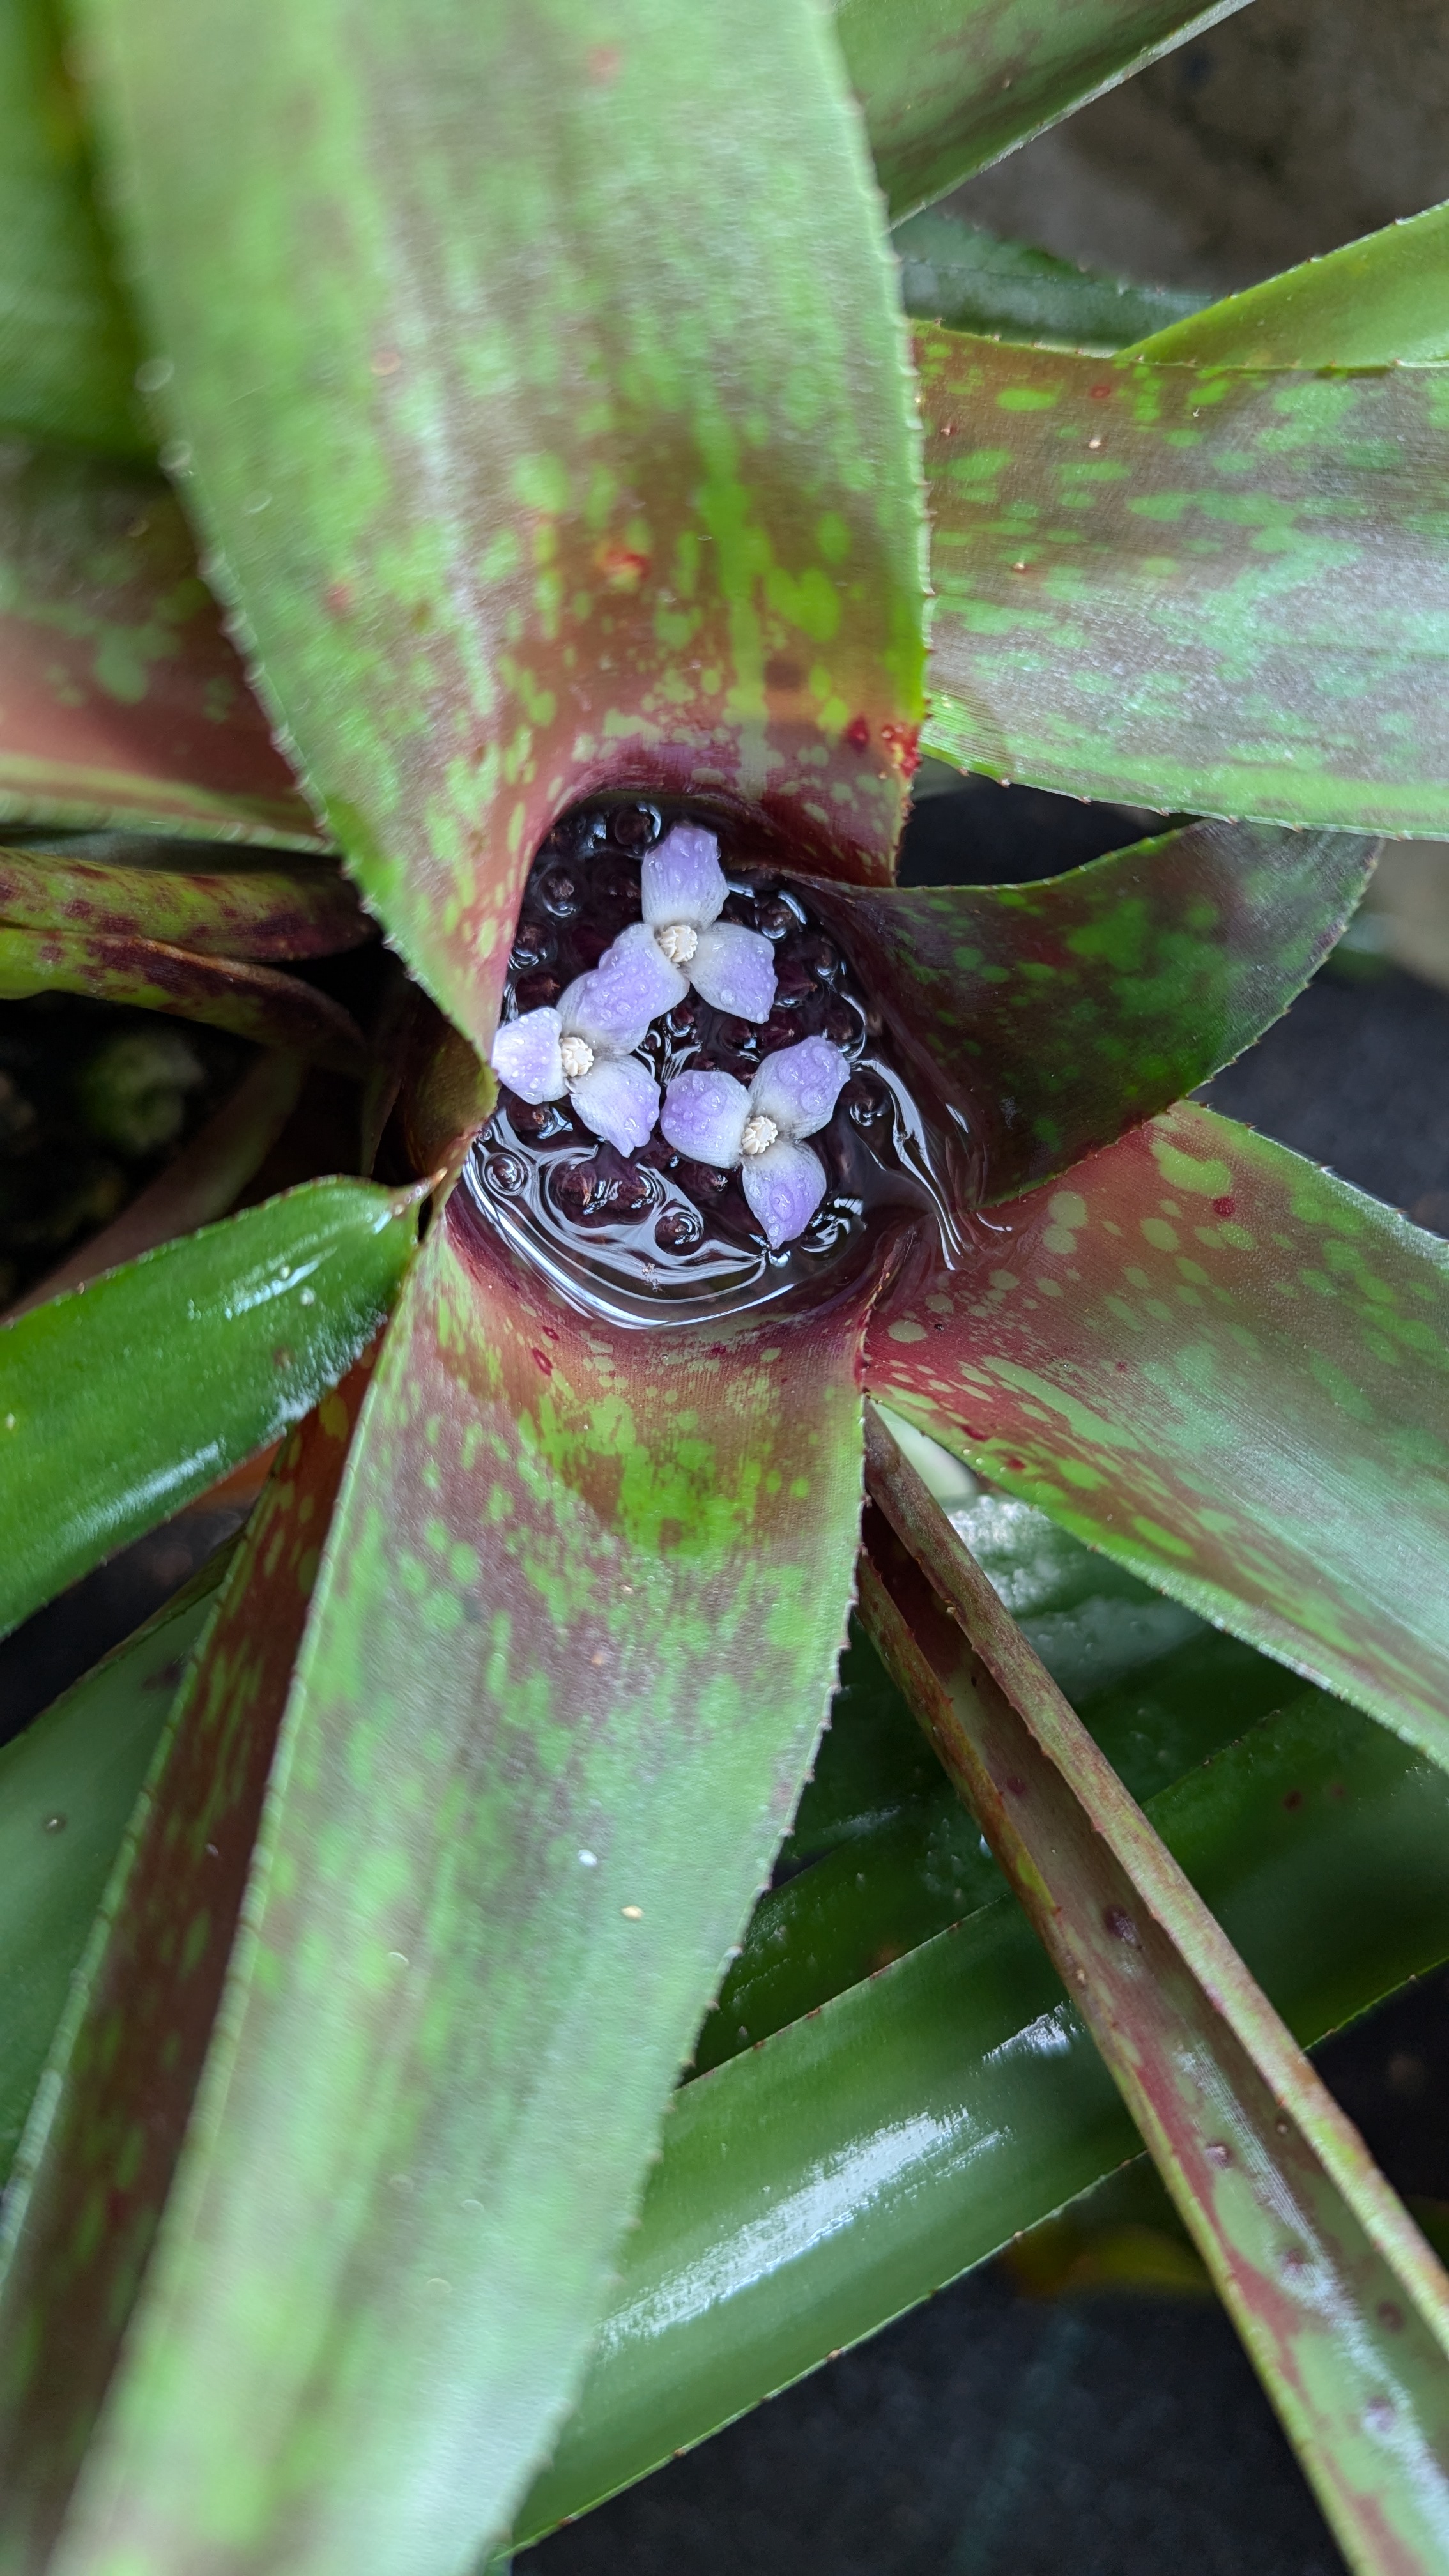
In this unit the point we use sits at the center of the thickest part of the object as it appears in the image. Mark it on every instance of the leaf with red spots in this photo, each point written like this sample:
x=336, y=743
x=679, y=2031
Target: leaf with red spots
x=261, y=913
x=573, y=1640
x=1052, y=1016
x=1342, y=2306
x=1227, y=1369
x=121, y=699
x=948, y=85
x=1191, y=586
x=256, y=1002
x=100, y=2156
x=497, y=537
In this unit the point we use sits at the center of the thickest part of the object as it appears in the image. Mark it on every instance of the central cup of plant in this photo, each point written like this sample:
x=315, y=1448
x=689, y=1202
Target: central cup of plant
x=701, y=1105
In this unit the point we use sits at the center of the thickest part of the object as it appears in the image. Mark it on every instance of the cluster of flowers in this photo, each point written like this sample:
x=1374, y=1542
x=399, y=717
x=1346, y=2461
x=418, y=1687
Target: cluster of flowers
x=584, y=1046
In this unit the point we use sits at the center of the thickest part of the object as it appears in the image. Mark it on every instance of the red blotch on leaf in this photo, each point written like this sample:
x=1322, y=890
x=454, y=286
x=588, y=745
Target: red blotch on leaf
x=621, y=567
x=857, y=733
x=1224, y=1207
x=901, y=743
x=605, y=64
x=337, y=598
x=1101, y=393
x=542, y=1361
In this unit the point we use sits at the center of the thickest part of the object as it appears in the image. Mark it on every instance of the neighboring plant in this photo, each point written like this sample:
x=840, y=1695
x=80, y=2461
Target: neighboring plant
x=536, y=385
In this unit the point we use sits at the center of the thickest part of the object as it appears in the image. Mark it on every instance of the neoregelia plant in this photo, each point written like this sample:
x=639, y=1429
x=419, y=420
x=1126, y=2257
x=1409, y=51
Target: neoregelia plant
x=534, y=386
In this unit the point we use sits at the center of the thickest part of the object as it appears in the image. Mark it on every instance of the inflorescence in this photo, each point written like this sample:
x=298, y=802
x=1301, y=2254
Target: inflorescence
x=584, y=1046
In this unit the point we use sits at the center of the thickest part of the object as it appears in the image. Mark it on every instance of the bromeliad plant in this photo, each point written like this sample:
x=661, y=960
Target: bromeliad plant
x=535, y=383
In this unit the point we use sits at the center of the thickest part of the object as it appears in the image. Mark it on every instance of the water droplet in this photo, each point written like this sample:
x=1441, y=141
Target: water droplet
x=153, y=373
x=632, y=1913
x=55, y=1824
x=588, y=1860
x=506, y=1173
x=1218, y=2152
x=1378, y=2415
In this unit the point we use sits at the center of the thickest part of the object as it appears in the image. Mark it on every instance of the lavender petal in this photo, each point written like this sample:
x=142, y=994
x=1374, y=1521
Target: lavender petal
x=526, y=1057
x=734, y=968
x=799, y=1086
x=682, y=880
x=614, y=1003
x=704, y=1116
x=619, y=1099
x=784, y=1186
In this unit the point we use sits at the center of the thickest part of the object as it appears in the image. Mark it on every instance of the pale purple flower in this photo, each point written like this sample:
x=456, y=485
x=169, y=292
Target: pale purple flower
x=586, y=1046
x=684, y=890
x=714, y=1119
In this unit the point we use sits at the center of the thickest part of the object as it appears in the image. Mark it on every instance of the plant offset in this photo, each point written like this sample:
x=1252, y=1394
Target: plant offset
x=474, y=466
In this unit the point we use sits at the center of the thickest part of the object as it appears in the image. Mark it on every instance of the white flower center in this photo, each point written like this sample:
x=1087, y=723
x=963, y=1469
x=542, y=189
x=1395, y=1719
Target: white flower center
x=577, y=1058
x=678, y=942
x=760, y=1134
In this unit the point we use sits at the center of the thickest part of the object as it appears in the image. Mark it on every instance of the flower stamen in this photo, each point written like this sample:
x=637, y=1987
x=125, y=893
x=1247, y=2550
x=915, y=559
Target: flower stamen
x=678, y=940
x=577, y=1058
x=759, y=1134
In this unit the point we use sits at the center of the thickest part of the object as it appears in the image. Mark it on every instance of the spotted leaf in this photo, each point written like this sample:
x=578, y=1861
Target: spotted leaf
x=1052, y=1016
x=1192, y=587
x=495, y=537
x=574, y=1636
x=1227, y=1369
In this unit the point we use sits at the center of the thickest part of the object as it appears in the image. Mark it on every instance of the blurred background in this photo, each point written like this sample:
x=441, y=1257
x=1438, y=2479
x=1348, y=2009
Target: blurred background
x=1081, y=2405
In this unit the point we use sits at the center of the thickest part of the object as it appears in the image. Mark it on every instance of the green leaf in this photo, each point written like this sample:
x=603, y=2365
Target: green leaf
x=948, y=85
x=955, y=273
x=68, y=349
x=1192, y=587
x=1374, y=303
x=146, y=890
x=68, y=1786
x=123, y=1399
x=828, y=2179
x=1343, y=2308
x=520, y=536
x=256, y=1002
x=913, y=1862
x=1052, y=1016
x=1228, y=1370
x=199, y=1185
x=573, y=1639
x=121, y=698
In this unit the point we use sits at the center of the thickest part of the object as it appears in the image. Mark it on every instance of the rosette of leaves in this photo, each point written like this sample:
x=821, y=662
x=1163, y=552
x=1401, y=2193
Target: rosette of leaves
x=538, y=424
